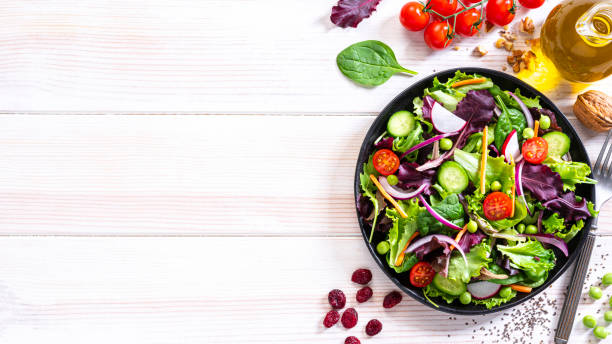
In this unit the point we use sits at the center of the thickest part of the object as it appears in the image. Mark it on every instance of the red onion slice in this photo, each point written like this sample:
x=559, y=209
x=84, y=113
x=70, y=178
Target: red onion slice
x=525, y=110
x=438, y=216
x=549, y=239
x=426, y=142
x=398, y=193
x=441, y=238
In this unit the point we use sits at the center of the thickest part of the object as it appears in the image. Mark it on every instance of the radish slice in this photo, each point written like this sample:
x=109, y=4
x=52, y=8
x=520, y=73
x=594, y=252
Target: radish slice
x=441, y=238
x=445, y=121
x=483, y=289
x=398, y=193
x=518, y=175
x=425, y=143
x=438, y=216
x=510, y=149
x=525, y=110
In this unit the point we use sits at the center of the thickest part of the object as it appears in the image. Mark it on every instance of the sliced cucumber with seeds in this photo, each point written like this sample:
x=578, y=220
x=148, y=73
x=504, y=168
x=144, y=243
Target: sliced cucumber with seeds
x=451, y=287
x=401, y=124
x=558, y=143
x=453, y=177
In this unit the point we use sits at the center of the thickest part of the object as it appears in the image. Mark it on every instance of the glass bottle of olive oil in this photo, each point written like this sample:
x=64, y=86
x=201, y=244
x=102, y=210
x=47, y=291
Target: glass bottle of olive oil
x=577, y=38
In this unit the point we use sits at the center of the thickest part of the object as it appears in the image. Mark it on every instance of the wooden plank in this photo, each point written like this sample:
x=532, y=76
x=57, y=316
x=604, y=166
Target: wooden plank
x=260, y=290
x=183, y=175
x=213, y=56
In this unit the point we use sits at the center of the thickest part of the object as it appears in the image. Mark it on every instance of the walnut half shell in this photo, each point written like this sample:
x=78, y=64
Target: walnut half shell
x=594, y=110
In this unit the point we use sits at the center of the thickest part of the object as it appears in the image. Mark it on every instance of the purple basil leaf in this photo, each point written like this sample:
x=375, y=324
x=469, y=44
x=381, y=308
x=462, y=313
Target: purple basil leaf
x=568, y=207
x=541, y=181
x=387, y=143
x=468, y=240
x=537, y=113
x=351, y=12
x=409, y=177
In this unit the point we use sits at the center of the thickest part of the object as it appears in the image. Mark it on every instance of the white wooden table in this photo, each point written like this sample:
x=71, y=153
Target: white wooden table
x=181, y=172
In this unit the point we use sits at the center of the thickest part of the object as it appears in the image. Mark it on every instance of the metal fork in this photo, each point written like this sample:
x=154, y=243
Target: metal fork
x=602, y=171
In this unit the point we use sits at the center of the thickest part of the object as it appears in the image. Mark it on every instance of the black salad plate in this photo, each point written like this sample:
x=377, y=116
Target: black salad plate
x=404, y=102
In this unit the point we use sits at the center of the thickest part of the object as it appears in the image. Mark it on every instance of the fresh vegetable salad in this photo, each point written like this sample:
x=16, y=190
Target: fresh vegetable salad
x=475, y=190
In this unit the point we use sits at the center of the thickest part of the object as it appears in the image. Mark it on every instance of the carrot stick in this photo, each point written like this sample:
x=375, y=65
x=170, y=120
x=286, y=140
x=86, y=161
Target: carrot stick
x=459, y=235
x=513, y=188
x=469, y=82
x=388, y=197
x=520, y=288
x=400, y=258
x=536, y=127
x=483, y=163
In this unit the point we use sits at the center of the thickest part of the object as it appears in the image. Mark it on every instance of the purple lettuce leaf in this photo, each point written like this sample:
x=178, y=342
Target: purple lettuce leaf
x=409, y=177
x=477, y=108
x=428, y=103
x=568, y=207
x=541, y=181
x=468, y=240
x=387, y=143
x=351, y=12
x=437, y=252
x=537, y=113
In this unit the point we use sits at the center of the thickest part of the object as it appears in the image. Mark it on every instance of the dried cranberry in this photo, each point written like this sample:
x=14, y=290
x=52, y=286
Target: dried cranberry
x=362, y=276
x=373, y=327
x=349, y=318
x=331, y=318
x=364, y=294
x=352, y=340
x=336, y=299
x=392, y=299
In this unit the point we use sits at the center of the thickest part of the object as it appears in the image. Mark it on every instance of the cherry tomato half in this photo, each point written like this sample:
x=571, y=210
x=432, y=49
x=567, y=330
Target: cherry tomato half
x=466, y=21
x=385, y=162
x=535, y=150
x=436, y=35
x=421, y=274
x=500, y=12
x=443, y=7
x=412, y=16
x=531, y=3
x=497, y=206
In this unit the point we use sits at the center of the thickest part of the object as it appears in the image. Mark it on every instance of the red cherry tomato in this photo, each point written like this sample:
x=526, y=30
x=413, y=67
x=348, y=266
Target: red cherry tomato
x=500, y=12
x=497, y=206
x=385, y=162
x=436, y=35
x=421, y=274
x=531, y=3
x=443, y=7
x=466, y=22
x=535, y=150
x=412, y=16
x=470, y=2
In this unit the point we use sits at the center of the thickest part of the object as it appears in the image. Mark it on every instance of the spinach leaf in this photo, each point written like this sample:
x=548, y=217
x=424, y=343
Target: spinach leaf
x=401, y=230
x=450, y=208
x=519, y=123
x=523, y=256
x=369, y=63
x=504, y=125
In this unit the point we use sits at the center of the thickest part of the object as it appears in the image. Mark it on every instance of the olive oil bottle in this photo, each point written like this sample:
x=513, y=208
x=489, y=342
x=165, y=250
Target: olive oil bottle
x=577, y=38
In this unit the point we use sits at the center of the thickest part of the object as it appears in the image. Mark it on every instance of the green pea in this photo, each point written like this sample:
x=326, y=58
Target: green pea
x=600, y=332
x=472, y=226
x=505, y=292
x=527, y=133
x=496, y=186
x=465, y=298
x=589, y=321
x=531, y=229
x=607, y=279
x=608, y=316
x=521, y=228
x=544, y=122
x=383, y=247
x=392, y=179
x=595, y=293
x=446, y=144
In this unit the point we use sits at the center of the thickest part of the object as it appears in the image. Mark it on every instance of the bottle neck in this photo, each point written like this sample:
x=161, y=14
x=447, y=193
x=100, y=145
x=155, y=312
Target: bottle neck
x=595, y=25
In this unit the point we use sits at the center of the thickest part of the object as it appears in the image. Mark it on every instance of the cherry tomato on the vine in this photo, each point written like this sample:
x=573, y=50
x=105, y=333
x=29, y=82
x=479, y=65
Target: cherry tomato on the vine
x=470, y=2
x=466, y=22
x=437, y=35
x=535, y=150
x=531, y=3
x=500, y=12
x=497, y=206
x=385, y=162
x=443, y=7
x=421, y=274
x=412, y=16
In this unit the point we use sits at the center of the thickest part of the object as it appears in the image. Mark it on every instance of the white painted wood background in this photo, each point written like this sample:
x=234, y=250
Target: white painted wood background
x=181, y=172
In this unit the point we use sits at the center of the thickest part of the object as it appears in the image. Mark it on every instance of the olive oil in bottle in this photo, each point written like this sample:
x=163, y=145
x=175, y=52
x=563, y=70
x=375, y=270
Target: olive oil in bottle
x=577, y=38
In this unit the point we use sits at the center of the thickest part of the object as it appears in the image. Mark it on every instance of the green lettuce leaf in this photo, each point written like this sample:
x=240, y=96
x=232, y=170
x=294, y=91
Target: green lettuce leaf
x=571, y=172
x=401, y=230
x=496, y=269
x=417, y=102
x=477, y=257
x=495, y=300
x=571, y=233
x=523, y=255
x=553, y=224
x=450, y=208
x=529, y=102
x=402, y=144
x=496, y=169
x=369, y=189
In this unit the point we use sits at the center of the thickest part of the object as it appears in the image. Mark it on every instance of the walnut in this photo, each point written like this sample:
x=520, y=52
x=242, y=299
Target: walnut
x=509, y=36
x=527, y=25
x=456, y=47
x=500, y=43
x=511, y=59
x=594, y=110
x=516, y=68
x=504, y=68
x=517, y=52
x=480, y=50
x=508, y=45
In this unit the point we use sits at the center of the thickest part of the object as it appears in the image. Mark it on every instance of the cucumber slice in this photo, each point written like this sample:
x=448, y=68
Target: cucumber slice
x=451, y=287
x=453, y=177
x=400, y=124
x=558, y=143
